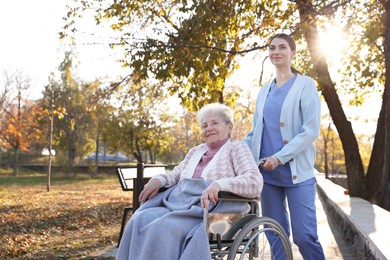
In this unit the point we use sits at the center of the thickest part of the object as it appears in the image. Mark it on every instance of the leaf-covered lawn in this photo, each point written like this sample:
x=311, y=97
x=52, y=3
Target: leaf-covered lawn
x=72, y=221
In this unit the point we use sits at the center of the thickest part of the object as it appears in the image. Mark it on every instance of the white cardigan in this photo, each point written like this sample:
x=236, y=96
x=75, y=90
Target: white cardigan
x=233, y=168
x=300, y=126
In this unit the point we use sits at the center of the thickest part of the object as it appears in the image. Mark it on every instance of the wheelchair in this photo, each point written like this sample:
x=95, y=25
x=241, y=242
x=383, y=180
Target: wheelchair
x=245, y=236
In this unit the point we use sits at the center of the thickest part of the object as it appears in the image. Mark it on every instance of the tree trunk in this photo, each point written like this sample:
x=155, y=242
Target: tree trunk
x=138, y=154
x=384, y=193
x=16, y=160
x=152, y=158
x=326, y=159
x=51, y=129
x=353, y=162
x=71, y=155
x=96, y=166
x=17, y=140
x=333, y=157
x=375, y=167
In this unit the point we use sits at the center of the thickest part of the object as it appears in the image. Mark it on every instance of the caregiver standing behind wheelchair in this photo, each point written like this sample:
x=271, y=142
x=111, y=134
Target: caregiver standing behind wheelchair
x=286, y=123
x=169, y=225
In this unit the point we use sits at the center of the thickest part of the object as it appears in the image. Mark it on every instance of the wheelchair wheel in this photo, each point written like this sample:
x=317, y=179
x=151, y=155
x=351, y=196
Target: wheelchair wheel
x=237, y=226
x=261, y=238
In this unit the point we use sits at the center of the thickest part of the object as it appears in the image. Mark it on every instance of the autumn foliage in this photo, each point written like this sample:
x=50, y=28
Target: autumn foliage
x=75, y=220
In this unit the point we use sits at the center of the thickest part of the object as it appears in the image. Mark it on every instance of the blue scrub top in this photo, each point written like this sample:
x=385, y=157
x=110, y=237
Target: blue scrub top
x=272, y=140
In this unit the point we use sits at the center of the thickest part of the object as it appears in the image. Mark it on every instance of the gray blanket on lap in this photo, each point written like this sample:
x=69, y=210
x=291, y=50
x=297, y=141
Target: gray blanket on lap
x=170, y=225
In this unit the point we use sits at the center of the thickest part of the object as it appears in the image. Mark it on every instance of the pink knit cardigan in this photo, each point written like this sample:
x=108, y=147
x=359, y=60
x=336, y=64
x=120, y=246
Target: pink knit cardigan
x=233, y=168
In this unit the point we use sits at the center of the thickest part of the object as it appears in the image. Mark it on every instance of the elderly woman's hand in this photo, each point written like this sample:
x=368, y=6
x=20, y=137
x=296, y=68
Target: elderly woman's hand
x=210, y=194
x=150, y=190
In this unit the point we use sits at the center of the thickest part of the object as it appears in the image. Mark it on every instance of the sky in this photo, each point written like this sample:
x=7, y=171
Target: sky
x=29, y=40
x=30, y=43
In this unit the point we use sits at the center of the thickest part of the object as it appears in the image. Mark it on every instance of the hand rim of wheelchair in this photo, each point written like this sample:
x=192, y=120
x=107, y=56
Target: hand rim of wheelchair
x=253, y=228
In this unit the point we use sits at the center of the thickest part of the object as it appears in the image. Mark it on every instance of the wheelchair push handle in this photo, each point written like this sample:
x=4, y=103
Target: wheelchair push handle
x=261, y=162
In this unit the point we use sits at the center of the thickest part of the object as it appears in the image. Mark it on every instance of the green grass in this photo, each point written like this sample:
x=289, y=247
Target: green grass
x=28, y=177
x=22, y=180
x=25, y=177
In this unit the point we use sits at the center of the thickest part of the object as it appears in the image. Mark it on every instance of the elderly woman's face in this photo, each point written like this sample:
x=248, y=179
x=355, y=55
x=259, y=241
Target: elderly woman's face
x=214, y=129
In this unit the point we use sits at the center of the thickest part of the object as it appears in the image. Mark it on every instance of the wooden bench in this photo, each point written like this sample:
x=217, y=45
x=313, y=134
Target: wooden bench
x=134, y=179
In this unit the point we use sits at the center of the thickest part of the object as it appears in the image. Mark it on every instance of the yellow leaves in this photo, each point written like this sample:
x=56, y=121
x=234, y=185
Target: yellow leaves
x=60, y=112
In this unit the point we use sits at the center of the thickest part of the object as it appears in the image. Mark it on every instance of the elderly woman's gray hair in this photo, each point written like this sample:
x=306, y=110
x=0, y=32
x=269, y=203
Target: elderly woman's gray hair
x=215, y=109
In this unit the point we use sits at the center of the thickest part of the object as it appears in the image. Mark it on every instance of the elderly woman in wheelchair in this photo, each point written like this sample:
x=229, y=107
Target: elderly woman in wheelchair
x=170, y=225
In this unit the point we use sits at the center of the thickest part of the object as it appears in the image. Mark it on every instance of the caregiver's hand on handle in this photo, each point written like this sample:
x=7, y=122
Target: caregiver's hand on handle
x=269, y=163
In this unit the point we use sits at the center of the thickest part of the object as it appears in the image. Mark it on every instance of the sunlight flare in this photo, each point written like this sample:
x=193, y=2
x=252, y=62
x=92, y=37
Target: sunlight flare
x=332, y=41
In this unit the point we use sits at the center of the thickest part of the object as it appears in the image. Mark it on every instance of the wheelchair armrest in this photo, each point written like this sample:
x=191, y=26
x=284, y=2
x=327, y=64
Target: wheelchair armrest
x=226, y=195
x=162, y=189
x=253, y=202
